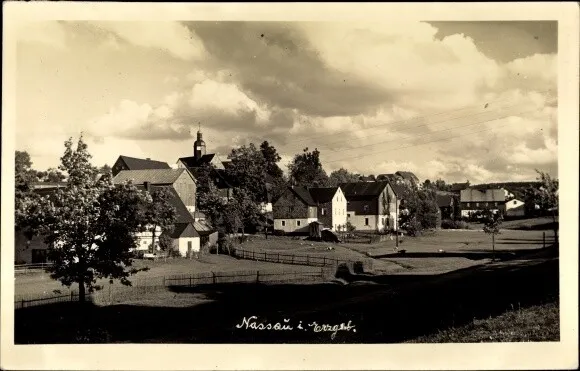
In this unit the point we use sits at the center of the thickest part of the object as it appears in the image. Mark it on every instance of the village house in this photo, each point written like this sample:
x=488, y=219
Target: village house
x=299, y=206
x=373, y=206
x=181, y=180
x=475, y=199
x=133, y=163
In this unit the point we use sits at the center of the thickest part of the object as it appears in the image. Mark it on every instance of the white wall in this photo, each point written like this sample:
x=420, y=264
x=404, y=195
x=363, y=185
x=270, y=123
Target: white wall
x=515, y=208
x=182, y=245
x=338, y=209
x=291, y=225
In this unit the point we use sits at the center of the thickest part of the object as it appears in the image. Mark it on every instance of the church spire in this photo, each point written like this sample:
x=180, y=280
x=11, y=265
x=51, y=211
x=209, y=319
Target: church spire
x=199, y=144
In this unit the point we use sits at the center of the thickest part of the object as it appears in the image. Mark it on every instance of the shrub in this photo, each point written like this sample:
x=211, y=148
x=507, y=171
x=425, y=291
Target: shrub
x=447, y=224
x=279, y=232
x=454, y=224
x=413, y=227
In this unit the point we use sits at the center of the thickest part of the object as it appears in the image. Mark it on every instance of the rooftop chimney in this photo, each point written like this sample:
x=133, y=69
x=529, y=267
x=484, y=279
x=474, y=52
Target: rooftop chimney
x=148, y=158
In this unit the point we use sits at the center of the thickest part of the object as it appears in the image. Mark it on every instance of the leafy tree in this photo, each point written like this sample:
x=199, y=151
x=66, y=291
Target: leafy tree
x=419, y=209
x=272, y=158
x=89, y=225
x=492, y=223
x=51, y=175
x=105, y=169
x=341, y=176
x=160, y=213
x=249, y=169
x=306, y=169
x=546, y=196
x=24, y=198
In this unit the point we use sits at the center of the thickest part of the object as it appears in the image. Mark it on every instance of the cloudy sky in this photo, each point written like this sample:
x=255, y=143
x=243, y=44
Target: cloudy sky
x=454, y=100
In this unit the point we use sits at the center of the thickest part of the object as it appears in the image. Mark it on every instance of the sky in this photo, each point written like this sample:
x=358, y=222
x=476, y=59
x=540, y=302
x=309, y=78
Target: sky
x=458, y=101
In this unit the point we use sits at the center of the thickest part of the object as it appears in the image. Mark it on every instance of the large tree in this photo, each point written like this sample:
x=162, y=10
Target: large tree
x=24, y=198
x=306, y=169
x=89, y=225
x=341, y=176
x=272, y=158
x=248, y=167
x=419, y=209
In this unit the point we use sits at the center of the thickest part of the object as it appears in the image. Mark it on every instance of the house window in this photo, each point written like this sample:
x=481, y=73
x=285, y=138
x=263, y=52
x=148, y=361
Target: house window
x=495, y=204
x=323, y=211
x=298, y=223
x=283, y=223
x=366, y=221
x=469, y=204
x=477, y=204
x=366, y=208
x=348, y=215
x=515, y=202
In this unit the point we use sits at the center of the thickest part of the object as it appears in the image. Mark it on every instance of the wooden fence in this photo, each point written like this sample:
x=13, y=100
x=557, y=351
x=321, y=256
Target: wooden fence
x=298, y=259
x=25, y=268
x=113, y=293
x=258, y=276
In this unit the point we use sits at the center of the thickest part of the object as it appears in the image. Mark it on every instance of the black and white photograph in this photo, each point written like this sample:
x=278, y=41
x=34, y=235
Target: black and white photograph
x=243, y=179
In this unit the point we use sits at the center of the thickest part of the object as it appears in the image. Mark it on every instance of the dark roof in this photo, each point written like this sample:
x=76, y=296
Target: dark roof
x=183, y=230
x=191, y=161
x=142, y=164
x=183, y=215
x=153, y=176
x=303, y=194
x=363, y=190
x=322, y=195
x=203, y=228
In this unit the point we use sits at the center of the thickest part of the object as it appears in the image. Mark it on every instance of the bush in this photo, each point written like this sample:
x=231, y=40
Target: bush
x=413, y=227
x=279, y=232
x=454, y=224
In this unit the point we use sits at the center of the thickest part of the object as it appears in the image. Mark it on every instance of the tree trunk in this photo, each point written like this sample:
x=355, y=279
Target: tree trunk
x=81, y=290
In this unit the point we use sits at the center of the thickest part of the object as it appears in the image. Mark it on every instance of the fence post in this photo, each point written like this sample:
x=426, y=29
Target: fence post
x=213, y=277
x=307, y=260
x=71, y=296
x=544, y=240
x=292, y=258
x=257, y=276
x=322, y=272
x=278, y=257
x=190, y=279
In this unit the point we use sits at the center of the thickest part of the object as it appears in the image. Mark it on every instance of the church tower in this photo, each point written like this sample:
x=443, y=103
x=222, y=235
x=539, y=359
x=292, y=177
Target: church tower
x=198, y=146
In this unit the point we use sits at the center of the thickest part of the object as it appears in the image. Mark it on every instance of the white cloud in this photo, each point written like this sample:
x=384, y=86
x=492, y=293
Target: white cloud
x=172, y=37
x=407, y=60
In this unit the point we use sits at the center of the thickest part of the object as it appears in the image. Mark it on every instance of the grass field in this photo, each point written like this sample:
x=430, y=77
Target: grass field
x=537, y=323
x=39, y=284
